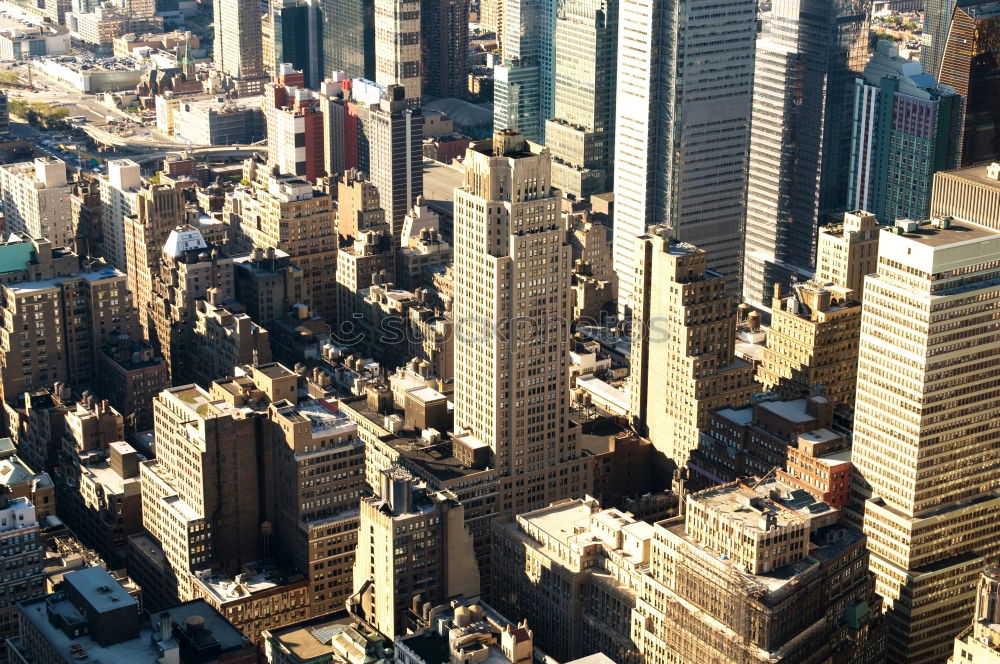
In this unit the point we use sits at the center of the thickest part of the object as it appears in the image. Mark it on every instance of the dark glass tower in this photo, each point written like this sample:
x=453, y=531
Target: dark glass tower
x=298, y=38
x=970, y=63
x=349, y=37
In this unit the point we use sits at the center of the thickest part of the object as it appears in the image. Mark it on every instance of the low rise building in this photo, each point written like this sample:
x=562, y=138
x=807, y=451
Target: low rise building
x=212, y=120
x=749, y=574
x=93, y=619
x=18, y=480
x=328, y=640
x=263, y=596
x=461, y=631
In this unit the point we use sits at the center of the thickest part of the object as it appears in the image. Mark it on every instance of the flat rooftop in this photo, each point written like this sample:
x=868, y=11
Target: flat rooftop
x=793, y=411
x=324, y=419
x=434, y=461
x=309, y=641
x=440, y=182
x=100, y=589
x=975, y=174
x=957, y=233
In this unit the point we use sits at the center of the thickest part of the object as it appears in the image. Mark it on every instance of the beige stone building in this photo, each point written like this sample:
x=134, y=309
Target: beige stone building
x=35, y=199
x=925, y=442
x=190, y=271
x=238, y=50
x=58, y=310
x=200, y=496
x=285, y=212
x=222, y=339
x=813, y=338
x=159, y=209
x=980, y=643
x=748, y=574
x=848, y=251
x=412, y=543
x=683, y=339
x=397, y=46
x=595, y=282
x=972, y=194
x=512, y=314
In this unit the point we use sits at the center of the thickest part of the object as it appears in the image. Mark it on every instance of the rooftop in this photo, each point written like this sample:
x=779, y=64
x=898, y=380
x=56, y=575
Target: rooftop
x=976, y=174
x=957, y=233
x=99, y=589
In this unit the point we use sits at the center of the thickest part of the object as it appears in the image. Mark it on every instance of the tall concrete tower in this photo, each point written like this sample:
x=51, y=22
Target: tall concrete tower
x=926, y=444
x=512, y=312
x=239, y=49
x=685, y=81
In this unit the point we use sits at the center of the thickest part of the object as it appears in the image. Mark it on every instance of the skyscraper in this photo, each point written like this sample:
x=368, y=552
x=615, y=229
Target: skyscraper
x=298, y=38
x=926, y=444
x=684, y=333
x=808, y=55
x=685, y=76
x=523, y=81
x=581, y=133
x=349, y=37
x=906, y=128
x=397, y=46
x=970, y=63
x=512, y=311
x=395, y=135
x=445, y=44
x=239, y=54
x=934, y=33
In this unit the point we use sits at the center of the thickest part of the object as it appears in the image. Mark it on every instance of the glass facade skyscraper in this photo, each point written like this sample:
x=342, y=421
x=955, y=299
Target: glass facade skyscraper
x=349, y=37
x=523, y=83
x=685, y=78
x=808, y=55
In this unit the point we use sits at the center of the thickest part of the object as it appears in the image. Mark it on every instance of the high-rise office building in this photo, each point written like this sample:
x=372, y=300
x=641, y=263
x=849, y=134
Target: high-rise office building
x=200, y=496
x=970, y=63
x=685, y=77
x=808, y=55
x=59, y=310
x=395, y=135
x=934, y=33
x=119, y=199
x=445, y=43
x=512, y=314
x=972, y=194
x=349, y=37
x=412, y=543
x=581, y=133
x=298, y=38
x=684, y=334
x=397, y=46
x=239, y=53
x=285, y=212
x=159, y=209
x=906, y=128
x=523, y=89
x=925, y=441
